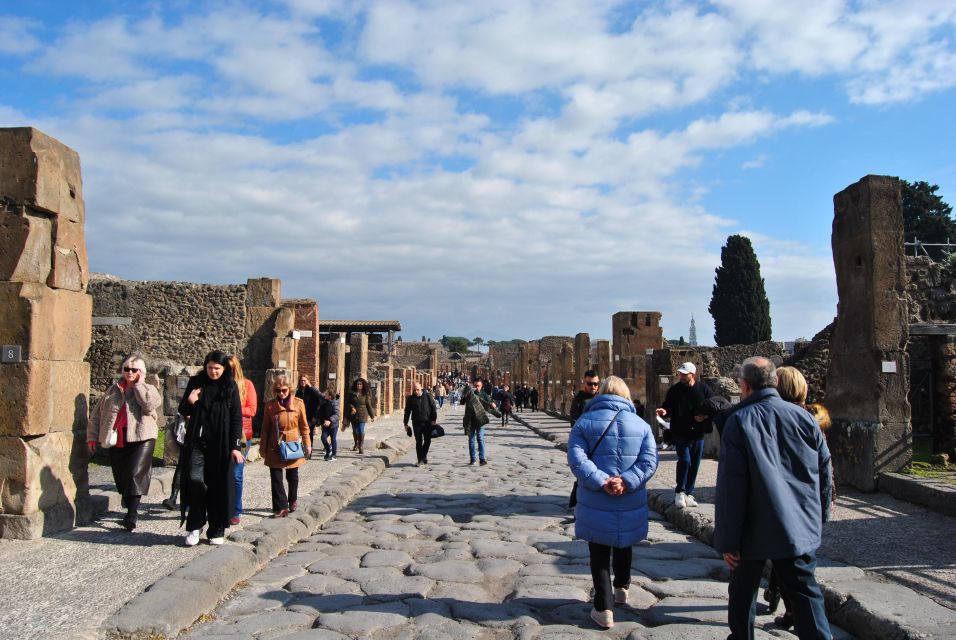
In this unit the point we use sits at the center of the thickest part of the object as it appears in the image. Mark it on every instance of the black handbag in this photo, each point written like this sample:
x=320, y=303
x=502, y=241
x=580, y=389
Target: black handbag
x=573, y=498
x=437, y=431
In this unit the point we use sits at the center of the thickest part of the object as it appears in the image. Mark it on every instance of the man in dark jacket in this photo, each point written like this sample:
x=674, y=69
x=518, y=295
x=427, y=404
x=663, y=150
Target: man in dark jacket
x=589, y=388
x=312, y=399
x=774, y=489
x=684, y=406
x=421, y=408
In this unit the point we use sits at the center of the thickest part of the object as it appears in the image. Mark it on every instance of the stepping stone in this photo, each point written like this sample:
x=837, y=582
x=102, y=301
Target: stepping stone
x=366, y=619
x=448, y=571
x=676, y=609
x=397, y=559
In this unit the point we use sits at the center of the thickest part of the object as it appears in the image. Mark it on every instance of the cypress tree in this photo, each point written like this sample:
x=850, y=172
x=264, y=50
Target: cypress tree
x=739, y=302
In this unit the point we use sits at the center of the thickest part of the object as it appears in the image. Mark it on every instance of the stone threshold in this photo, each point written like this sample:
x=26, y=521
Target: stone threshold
x=938, y=495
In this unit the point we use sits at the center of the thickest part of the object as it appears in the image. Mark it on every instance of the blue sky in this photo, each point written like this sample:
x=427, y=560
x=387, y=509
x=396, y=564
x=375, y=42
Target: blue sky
x=503, y=169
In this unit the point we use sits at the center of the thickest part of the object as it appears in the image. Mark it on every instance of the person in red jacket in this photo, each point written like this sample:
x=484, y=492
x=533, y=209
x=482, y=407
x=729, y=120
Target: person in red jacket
x=247, y=394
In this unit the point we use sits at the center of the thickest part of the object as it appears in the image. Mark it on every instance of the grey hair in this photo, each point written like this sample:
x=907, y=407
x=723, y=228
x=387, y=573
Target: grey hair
x=134, y=360
x=759, y=372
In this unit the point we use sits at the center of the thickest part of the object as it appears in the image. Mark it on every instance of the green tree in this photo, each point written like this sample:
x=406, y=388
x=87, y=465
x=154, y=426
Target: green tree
x=457, y=344
x=739, y=302
x=478, y=342
x=926, y=216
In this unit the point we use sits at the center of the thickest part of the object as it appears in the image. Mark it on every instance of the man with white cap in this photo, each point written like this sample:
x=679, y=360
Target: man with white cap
x=684, y=406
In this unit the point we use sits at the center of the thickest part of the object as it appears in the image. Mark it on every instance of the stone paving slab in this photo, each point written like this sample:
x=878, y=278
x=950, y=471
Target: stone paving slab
x=886, y=566
x=67, y=585
x=502, y=564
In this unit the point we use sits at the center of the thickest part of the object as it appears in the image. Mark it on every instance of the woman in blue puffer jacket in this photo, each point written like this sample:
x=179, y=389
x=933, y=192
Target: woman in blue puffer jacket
x=612, y=472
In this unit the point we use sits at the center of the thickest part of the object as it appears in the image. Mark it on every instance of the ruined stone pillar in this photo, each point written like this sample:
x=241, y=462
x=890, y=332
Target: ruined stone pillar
x=387, y=388
x=335, y=374
x=867, y=382
x=358, y=355
x=603, y=363
x=46, y=329
x=582, y=356
x=944, y=419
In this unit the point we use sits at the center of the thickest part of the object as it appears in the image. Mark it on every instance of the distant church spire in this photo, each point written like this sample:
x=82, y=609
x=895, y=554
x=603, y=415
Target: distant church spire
x=693, y=332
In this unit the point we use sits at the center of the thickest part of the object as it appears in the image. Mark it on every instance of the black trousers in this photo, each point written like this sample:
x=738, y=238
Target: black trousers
x=423, y=439
x=601, y=572
x=202, y=507
x=131, y=465
x=280, y=500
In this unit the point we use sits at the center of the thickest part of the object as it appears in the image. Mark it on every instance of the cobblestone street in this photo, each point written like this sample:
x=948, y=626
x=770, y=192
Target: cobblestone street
x=450, y=550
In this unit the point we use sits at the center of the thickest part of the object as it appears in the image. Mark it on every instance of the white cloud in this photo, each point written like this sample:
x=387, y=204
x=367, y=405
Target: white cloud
x=16, y=38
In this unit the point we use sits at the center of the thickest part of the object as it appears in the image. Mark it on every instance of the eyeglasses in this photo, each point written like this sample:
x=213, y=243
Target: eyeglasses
x=130, y=370
x=283, y=390
x=593, y=384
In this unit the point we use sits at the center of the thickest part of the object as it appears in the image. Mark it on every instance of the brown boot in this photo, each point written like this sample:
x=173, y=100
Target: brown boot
x=361, y=443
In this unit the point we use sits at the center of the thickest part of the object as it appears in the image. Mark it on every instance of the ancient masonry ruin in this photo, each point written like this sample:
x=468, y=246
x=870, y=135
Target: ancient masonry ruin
x=45, y=334
x=892, y=342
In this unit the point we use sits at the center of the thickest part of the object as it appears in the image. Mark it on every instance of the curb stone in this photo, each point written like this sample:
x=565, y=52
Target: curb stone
x=175, y=602
x=868, y=608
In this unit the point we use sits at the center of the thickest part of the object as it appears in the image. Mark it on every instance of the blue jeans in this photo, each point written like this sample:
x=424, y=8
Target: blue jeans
x=329, y=442
x=797, y=582
x=441, y=401
x=358, y=428
x=238, y=473
x=476, y=435
x=689, y=453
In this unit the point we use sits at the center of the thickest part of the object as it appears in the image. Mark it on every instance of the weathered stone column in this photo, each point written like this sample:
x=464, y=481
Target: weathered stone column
x=867, y=382
x=45, y=326
x=944, y=422
x=358, y=355
x=335, y=374
x=603, y=358
x=582, y=357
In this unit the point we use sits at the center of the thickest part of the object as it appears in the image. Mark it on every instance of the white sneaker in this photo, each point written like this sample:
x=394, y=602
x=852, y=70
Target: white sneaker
x=217, y=541
x=620, y=595
x=680, y=500
x=689, y=499
x=192, y=538
x=604, y=619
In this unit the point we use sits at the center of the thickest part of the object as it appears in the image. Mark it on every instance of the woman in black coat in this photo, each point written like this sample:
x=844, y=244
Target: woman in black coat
x=213, y=446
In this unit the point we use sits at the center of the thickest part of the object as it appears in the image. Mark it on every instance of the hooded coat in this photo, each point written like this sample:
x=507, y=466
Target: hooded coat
x=627, y=450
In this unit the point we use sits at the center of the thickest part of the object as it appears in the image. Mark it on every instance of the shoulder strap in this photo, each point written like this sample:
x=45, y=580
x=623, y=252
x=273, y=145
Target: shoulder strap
x=596, y=444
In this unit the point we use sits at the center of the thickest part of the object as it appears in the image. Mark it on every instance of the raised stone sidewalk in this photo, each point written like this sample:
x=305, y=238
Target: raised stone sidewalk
x=99, y=578
x=886, y=566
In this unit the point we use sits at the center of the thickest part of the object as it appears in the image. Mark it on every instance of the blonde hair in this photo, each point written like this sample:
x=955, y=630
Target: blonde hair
x=280, y=381
x=614, y=386
x=791, y=385
x=237, y=375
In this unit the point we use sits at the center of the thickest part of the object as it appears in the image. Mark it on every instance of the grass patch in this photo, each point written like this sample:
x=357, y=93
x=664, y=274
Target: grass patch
x=922, y=448
x=931, y=472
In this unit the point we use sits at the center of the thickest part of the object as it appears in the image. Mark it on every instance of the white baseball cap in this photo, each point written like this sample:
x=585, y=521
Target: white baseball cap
x=687, y=367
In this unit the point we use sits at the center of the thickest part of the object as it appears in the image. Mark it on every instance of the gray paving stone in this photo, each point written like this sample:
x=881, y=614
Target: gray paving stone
x=255, y=599
x=334, y=564
x=329, y=603
x=398, y=559
x=396, y=587
x=547, y=595
x=455, y=591
x=298, y=557
x=676, y=609
x=366, y=620
x=317, y=583
x=679, y=569
x=495, y=615
x=277, y=574
x=690, y=632
x=273, y=621
x=503, y=549
x=687, y=588
x=313, y=634
x=498, y=568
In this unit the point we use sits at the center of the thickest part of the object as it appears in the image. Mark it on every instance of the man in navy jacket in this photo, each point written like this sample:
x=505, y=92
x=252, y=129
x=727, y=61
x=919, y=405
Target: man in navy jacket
x=773, y=495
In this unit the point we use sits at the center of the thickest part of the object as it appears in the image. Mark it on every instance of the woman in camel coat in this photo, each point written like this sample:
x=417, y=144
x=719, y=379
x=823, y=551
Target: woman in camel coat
x=284, y=416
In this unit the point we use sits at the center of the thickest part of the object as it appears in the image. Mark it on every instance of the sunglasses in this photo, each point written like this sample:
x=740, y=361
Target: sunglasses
x=593, y=384
x=130, y=370
x=283, y=390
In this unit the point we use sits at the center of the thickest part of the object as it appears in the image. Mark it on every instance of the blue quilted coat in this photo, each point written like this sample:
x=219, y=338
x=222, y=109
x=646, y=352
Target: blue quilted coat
x=628, y=450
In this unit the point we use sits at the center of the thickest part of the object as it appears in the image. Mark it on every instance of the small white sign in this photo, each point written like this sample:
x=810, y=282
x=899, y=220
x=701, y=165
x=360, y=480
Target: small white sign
x=296, y=335
x=331, y=376
x=306, y=334
x=281, y=364
x=889, y=366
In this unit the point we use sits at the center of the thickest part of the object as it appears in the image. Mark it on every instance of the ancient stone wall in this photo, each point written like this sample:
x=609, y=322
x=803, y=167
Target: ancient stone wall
x=176, y=322
x=45, y=326
x=729, y=357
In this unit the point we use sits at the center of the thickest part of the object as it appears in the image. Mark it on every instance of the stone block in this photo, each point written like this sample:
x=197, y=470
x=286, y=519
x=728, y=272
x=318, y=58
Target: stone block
x=285, y=322
x=263, y=292
x=260, y=321
x=27, y=241
x=40, y=171
x=34, y=525
x=43, y=396
x=70, y=392
x=49, y=324
x=282, y=351
x=71, y=266
x=25, y=398
x=173, y=389
x=35, y=473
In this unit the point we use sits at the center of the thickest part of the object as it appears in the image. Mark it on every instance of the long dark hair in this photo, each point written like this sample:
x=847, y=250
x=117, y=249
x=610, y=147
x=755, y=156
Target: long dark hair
x=220, y=358
x=364, y=385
